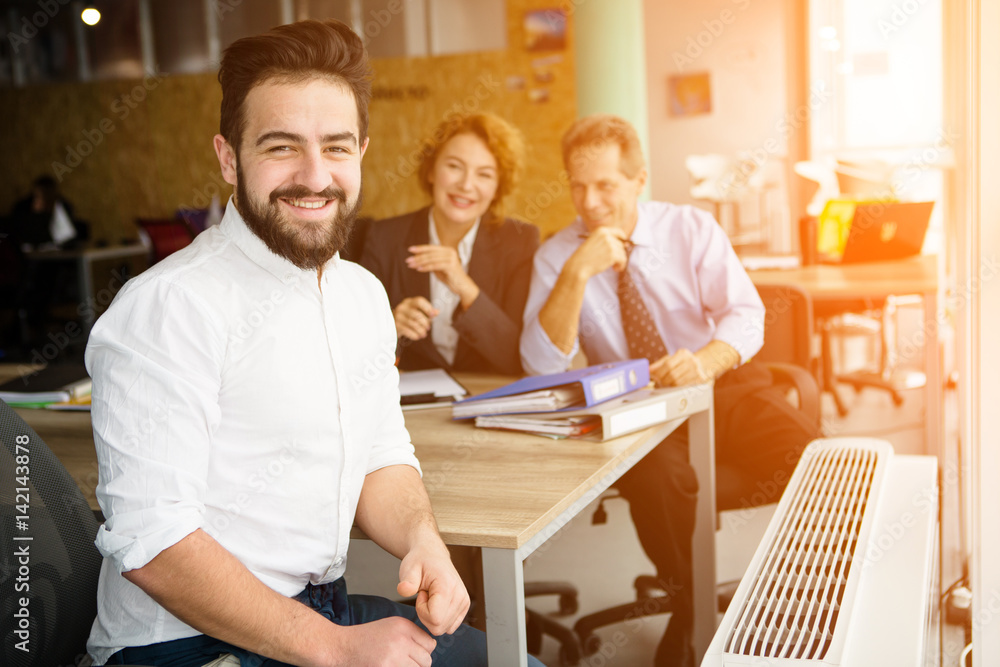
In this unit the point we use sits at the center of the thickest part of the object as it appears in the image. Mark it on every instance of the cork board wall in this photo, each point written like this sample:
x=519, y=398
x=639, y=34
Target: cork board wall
x=143, y=148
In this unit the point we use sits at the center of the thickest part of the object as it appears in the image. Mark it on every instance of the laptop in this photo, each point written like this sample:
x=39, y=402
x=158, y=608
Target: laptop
x=884, y=231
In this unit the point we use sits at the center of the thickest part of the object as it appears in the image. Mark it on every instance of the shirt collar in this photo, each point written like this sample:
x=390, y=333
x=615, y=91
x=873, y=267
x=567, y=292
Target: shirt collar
x=642, y=235
x=464, y=246
x=235, y=228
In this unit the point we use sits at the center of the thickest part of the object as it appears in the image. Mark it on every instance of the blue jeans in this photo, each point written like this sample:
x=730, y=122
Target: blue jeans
x=465, y=648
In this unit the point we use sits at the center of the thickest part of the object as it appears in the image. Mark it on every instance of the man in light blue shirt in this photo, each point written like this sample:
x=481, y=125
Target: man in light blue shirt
x=698, y=318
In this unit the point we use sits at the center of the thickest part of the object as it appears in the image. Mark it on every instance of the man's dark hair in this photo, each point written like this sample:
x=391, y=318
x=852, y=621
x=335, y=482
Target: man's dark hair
x=293, y=53
x=46, y=187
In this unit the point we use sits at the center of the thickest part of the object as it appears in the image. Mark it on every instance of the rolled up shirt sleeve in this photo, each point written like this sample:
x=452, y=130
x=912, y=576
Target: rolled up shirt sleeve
x=155, y=361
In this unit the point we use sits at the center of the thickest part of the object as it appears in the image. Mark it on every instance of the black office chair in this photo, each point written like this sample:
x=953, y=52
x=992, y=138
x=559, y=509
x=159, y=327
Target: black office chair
x=62, y=565
x=787, y=352
x=788, y=344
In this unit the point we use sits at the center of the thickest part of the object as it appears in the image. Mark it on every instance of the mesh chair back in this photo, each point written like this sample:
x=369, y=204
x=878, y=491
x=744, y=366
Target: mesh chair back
x=58, y=576
x=165, y=236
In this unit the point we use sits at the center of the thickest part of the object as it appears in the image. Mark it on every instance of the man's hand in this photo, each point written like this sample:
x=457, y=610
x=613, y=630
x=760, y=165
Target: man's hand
x=205, y=586
x=681, y=368
x=603, y=249
x=684, y=367
x=388, y=642
x=442, y=601
x=413, y=317
x=395, y=512
x=560, y=316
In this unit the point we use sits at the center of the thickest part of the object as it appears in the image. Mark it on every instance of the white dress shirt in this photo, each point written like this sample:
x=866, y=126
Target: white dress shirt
x=687, y=273
x=234, y=393
x=443, y=332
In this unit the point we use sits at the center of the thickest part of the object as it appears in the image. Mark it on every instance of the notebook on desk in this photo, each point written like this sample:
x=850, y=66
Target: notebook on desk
x=884, y=230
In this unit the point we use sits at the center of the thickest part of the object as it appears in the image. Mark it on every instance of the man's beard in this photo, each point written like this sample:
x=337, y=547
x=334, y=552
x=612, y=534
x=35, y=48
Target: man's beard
x=308, y=247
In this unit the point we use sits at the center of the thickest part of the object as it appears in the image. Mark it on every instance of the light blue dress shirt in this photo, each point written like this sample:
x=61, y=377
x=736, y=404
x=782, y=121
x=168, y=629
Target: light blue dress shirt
x=687, y=273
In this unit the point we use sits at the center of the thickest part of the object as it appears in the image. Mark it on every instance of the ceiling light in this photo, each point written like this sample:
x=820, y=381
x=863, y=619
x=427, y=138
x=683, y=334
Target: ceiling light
x=90, y=16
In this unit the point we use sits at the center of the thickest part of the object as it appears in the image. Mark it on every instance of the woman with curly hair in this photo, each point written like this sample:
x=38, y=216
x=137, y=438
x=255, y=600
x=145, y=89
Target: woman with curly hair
x=457, y=271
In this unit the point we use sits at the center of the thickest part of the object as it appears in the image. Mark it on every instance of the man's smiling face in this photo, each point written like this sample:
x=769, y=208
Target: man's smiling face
x=298, y=171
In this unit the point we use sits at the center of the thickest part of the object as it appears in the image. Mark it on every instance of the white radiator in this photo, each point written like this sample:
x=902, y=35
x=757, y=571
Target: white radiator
x=846, y=573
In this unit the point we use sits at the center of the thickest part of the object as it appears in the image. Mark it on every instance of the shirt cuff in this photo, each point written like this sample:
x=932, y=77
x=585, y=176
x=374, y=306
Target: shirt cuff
x=131, y=552
x=745, y=342
x=387, y=459
x=543, y=356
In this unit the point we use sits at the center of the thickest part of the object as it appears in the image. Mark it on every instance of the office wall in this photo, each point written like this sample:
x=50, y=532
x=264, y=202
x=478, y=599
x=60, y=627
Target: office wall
x=412, y=95
x=744, y=46
x=126, y=149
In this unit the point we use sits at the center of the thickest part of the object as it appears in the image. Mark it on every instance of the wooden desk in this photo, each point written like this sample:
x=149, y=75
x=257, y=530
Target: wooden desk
x=505, y=492
x=510, y=492
x=877, y=280
x=96, y=274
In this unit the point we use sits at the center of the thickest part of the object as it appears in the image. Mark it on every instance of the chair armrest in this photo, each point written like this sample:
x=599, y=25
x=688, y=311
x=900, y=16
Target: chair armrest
x=803, y=383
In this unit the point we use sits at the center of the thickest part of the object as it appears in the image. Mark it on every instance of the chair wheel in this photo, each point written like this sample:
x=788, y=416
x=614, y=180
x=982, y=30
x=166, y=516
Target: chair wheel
x=568, y=604
x=591, y=644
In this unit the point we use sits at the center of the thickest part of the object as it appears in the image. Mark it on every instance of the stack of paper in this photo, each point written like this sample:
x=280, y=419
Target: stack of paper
x=543, y=425
x=431, y=388
x=522, y=404
x=55, y=383
x=631, y=412
x=543, y=400
x=81, y=404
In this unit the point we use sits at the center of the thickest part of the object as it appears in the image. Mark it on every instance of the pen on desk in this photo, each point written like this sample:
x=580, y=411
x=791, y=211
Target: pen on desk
x=414, y=399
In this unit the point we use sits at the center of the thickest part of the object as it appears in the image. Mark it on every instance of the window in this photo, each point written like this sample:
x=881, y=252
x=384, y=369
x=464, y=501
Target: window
x=883, y=69
x=136, y=38
x=40, y=46
x=246, y=17
x=876, y=73
x=114, y=50
x=180, y=40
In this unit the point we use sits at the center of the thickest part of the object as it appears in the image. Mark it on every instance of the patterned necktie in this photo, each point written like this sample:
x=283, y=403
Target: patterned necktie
x=640, y=330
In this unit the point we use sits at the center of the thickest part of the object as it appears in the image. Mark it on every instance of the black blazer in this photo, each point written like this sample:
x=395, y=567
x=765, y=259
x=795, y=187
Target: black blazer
x=489, y=331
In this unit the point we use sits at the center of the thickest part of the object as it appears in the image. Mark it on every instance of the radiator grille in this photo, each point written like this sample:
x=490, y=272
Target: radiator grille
x=803, y=587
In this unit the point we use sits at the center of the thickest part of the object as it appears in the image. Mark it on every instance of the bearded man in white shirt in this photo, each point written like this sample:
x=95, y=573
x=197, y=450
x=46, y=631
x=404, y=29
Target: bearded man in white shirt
x=656, y=280
x=238, y=434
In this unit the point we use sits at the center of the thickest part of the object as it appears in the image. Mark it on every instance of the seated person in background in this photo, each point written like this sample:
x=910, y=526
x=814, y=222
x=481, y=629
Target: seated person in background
x=44, y=219
x=457, y=272
x=234, y=450
x=629, y=280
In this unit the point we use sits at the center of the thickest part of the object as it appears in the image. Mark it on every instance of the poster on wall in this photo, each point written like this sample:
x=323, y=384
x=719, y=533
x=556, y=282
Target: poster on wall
x=545, y=30
x=689, y=94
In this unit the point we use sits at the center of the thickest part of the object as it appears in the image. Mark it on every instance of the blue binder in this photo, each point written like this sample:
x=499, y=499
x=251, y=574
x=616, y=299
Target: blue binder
x=599, y=383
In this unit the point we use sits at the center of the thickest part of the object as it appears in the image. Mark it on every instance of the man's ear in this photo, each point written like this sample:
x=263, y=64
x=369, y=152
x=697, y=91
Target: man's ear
x=641, y=178
x=364, y=146
x=227, y=158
